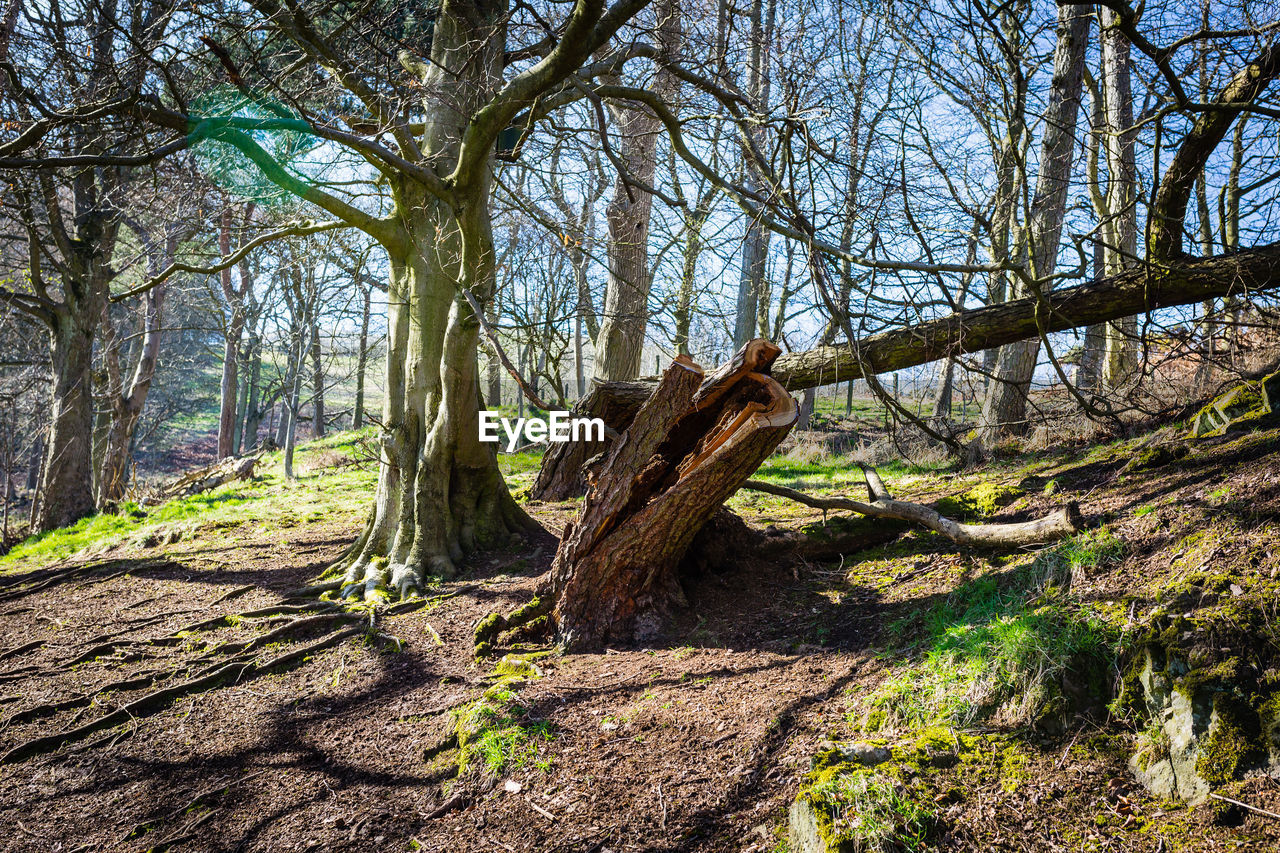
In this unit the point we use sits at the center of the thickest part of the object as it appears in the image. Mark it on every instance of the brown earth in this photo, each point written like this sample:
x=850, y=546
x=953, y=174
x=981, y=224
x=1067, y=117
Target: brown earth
x=696, y=744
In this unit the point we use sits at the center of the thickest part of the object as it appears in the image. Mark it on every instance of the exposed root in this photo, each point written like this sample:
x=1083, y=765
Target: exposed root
x=26, y=647
x=234, y=593
x=201, y=799
x=315, y=590
x=235, y=672
x=44, y=580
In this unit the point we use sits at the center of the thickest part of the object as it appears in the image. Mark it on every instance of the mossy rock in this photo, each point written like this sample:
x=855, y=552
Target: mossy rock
x=981, y=501
x=1245, y=406
x=1197, y=679
x=855, y=799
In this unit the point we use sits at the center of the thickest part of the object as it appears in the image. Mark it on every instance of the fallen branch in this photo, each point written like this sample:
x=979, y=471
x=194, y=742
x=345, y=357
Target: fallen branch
x=1058, y=524
x=1245, y=806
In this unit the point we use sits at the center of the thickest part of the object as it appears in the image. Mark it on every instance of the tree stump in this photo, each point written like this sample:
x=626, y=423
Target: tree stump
x=689, y=447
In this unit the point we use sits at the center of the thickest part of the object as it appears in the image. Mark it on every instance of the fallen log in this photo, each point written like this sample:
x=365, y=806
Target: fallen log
x=1182, y=281
x=211, y=476
x=1059, y=524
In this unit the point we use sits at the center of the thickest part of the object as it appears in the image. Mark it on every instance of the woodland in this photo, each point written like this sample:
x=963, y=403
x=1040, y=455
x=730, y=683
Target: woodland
x=935, y=351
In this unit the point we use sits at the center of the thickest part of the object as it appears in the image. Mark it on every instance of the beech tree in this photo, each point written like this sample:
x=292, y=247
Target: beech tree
x=440, y=493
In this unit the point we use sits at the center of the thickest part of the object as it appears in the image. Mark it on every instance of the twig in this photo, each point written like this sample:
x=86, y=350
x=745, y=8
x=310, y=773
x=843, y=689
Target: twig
x=540, y=810
x=1245, y=806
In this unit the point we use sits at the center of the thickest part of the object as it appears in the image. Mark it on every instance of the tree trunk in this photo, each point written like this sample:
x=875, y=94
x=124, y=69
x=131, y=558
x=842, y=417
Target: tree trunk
x=755, y=244
x=440, y=493
x=620, y=342
x=1006, y=404
x=317, y=367
x=253, y=405
x=690, y=446
x=1122, y=195
x=362, y=359
x=231, y=345
x=127, y=404
x=66, y=485
x=941, y=408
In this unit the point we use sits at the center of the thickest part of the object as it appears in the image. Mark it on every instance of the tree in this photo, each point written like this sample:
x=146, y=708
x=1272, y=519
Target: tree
x=440, y=493
x=620, y=342
x=70, y=207
x=1004, y=408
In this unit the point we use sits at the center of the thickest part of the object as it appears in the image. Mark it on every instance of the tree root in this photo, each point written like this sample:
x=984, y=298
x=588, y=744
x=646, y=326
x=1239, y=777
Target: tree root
x=26, y=647
x=234, y=593
x=16, y=590
x=235, y=672
x=1059, y=524
x=315, y=590
x=491, y=627
x=201, y=799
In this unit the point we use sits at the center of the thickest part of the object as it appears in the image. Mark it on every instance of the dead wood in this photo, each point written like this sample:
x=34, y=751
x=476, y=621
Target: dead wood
x=689, y=446
x=211, y=476
x=1058, y=524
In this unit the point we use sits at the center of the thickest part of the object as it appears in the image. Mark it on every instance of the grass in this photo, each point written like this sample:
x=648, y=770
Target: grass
x=322, y=491
x=997, y=646
x=874, y=812
x=494, y=729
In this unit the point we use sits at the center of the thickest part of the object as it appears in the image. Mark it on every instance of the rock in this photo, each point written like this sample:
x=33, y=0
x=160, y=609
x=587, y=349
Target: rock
x=517, y=667
x=803, y=832
x=1202, y=733
x=866, y=754
x=1243, y=407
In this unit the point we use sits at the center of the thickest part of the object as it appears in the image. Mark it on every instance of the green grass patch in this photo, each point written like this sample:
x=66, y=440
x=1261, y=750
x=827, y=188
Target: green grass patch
x=326, y=491
x=996, y=648
x=495, y=731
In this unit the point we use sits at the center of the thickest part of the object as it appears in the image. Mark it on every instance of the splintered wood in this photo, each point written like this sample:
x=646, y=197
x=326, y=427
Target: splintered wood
x=691, y=444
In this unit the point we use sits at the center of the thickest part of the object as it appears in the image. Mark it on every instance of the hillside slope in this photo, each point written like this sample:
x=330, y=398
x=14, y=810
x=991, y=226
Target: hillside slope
x=166, y=685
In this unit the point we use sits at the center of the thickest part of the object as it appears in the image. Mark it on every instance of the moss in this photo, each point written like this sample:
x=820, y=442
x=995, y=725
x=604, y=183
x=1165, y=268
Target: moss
x=1156, y=457
x=522, y=666
x=979, y=502
x=1233, y=744
x=1013, y=769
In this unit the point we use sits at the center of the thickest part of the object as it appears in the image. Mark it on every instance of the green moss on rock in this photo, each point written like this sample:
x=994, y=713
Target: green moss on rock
x=1234, y=743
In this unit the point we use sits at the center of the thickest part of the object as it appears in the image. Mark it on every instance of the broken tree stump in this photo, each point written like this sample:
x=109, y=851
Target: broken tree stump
x=690, y=446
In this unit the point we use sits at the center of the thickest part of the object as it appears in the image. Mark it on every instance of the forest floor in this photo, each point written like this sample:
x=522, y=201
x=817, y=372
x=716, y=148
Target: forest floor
x=134, y=719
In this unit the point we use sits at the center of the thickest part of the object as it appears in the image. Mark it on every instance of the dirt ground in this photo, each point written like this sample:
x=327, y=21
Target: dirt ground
x=323, y=737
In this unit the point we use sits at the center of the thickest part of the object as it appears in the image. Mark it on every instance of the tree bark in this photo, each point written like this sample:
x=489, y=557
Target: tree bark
x=253, y=405
x=127, y=403
x=440, y=493
x=620, y=342
x=1005, y=408
x=231, y=345
x=362, y=358
x=66, y=486
x=689, y=447
x=1122, y=192
x=317, y=361
x=755, y=244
